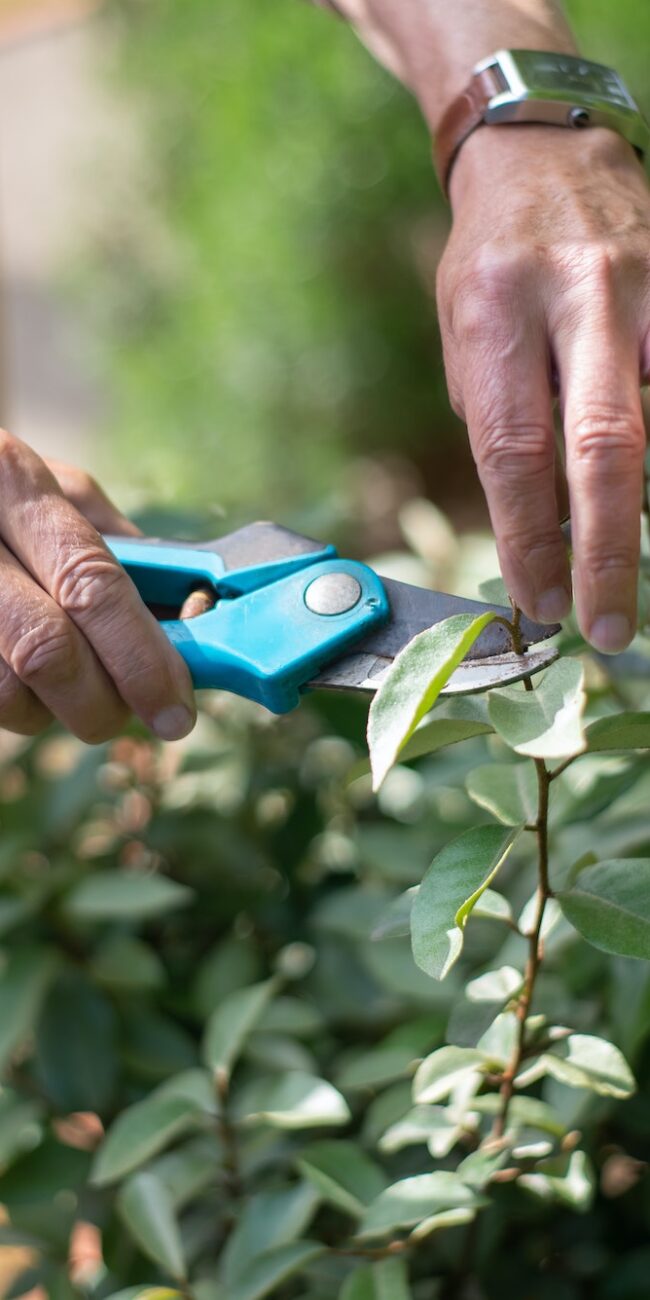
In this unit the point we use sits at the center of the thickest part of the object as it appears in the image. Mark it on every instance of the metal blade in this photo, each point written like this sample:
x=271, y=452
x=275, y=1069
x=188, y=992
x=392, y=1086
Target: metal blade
x=413, y=609
x=366, y=672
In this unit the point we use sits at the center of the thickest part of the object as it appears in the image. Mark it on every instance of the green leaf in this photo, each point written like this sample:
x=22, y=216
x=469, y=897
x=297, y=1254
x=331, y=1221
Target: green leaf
x=546, y=722
x=620, y=731
x=76, y=1046
x=278, y=1052
x=385, y=1280
x=568, y=1180
x=411, y=1200
x=445, y=1219
x=266, y=1221
x=452, y=721
x=497, y=1044
x=40, y=1176
x=140, y=1132
x=293, y=1101
x=493, y=906
x=231, y=964
x=584, y=1061
x=377, y=1066
x=125, y=963
x=478, y=1167
x=413, y=683
x=13, y=910
x=495, y=985
x=610, y=906
x=452, y=885
x=125, y=895
x=188, y=1170
x=523, y=1112
x=206, y=1288
x=343, y=1175
x=430, y=1126
x=385, y=1109
x=291, y=1015
x=146, y=1209
x=20, y=1126
x=439, y=1074
x=194, y=1086
x=23, y=985
x=231, y=1023
x=507, y=790
x=268, y=1271
x=154, y=1045
x=395, y=921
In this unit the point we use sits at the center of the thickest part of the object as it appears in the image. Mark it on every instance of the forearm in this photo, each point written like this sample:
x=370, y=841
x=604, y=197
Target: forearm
x=432, y=45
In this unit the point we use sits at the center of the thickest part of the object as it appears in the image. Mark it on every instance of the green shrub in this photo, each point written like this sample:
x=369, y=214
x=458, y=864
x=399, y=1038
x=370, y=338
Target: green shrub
x=206, y=946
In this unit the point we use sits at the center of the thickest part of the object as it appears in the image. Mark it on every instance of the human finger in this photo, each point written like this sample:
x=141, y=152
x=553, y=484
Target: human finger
x=605, y=448
x=507, y=401
x=50, y=662
x=68, y=558
x=91, y=500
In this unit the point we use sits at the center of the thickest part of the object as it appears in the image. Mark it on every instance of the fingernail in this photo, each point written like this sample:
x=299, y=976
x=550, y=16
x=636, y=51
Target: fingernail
x=553, y=605
x=611, y=633
x=173, y=723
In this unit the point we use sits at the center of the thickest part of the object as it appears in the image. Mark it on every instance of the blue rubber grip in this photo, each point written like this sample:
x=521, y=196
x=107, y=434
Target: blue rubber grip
x=166, y=572
x=261, y=640
x=267, y=645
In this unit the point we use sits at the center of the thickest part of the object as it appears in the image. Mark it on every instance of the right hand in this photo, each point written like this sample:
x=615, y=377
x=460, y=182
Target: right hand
x=76, y=641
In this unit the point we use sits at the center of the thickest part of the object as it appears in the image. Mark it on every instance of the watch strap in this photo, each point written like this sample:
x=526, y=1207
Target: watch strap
x=463, y=115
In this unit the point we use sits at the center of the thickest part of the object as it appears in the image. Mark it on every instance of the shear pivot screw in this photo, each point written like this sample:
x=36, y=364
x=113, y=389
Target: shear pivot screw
x=333, y=593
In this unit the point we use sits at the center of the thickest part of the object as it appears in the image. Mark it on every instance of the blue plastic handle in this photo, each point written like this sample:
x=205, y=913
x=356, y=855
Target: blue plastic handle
x=261, y=640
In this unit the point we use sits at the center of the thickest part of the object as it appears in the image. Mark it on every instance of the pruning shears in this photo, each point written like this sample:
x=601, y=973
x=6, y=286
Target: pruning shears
x=283, y=614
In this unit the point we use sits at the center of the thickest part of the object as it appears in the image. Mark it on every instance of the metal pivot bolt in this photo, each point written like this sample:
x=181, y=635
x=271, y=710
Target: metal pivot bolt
x=579, y=117
x=333, y=593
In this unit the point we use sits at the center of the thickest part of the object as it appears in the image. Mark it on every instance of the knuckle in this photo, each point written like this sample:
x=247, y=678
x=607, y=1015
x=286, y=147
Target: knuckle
x=88, y=581
x=600, y=262
x=487, y=286
x=618, y=556
x=605, y=436
x=537, y=550
x=515, y=448
x=45, y=650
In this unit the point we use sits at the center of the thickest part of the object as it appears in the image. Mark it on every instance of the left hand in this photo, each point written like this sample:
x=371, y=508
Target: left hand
x=544, y=286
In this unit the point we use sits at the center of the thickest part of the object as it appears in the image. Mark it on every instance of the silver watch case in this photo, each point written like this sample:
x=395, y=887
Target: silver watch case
x=562, y=90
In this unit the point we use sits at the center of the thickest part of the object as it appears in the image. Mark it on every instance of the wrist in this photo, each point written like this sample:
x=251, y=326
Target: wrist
x=520, y=159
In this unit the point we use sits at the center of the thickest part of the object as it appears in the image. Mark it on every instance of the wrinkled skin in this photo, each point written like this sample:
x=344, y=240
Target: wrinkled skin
x=544, y=287
x=76, y=641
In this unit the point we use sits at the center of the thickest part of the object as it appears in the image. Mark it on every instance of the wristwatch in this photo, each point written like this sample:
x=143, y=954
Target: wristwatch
x=515, y=86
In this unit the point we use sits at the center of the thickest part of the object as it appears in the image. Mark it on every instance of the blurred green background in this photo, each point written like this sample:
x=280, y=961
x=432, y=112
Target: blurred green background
x=256, y=301
x=271, y=324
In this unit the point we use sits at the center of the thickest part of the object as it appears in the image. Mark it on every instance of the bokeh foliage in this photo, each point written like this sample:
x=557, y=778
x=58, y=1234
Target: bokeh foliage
x=266, y=316
x=236, y=902
x=265, y=288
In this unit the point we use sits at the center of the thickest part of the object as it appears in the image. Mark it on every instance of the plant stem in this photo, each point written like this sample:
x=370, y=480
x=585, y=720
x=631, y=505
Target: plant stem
x=544, y=778
x=231, y=1169
x=534, y=947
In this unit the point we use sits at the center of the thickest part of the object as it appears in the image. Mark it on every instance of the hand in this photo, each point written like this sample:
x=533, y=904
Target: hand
x=76, y=641
x=545, y=286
